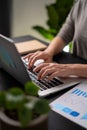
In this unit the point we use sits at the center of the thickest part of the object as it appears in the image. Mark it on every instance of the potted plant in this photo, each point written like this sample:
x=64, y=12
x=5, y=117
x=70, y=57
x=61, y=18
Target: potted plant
x=57, y=13
x=22, y=109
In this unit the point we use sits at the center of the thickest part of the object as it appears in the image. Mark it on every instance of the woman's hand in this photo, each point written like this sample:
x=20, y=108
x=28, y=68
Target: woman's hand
x=32, y=57
x=53, y=70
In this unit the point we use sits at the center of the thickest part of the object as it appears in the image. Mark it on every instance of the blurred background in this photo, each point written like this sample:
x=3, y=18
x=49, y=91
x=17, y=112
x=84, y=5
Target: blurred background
x=40, y=18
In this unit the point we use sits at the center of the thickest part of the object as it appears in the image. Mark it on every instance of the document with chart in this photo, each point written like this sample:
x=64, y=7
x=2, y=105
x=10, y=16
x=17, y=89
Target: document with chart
x=73, y=104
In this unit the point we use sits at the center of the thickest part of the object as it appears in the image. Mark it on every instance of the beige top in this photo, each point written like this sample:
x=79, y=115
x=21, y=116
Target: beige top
x=75, y=28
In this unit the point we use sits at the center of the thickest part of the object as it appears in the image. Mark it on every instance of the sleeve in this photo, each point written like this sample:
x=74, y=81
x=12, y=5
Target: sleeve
x=67, y=30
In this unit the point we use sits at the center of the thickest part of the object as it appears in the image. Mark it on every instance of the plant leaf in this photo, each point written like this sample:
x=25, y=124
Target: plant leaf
x=31, y=89
x=42, y=106
x=2, y=99
x=25, y=115
x=44, y=32
x=53, y=17
x=13, y=102
x=16, y=91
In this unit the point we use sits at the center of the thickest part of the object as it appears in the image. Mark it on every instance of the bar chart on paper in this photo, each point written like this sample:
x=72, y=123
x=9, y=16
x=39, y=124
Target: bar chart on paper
x=79, y=92
x=73, y=104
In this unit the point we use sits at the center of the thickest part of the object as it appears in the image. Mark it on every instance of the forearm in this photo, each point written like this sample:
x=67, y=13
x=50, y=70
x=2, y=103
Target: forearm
x=56, y=46
x=79, y=70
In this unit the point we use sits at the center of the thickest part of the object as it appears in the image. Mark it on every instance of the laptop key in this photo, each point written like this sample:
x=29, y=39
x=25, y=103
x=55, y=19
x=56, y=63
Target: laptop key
x=57, y=80
x=42, y=86
x=45, y=84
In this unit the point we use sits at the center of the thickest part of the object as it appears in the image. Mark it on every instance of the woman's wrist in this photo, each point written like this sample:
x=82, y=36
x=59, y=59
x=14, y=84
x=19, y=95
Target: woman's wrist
x=49, y=52
x=79, y=70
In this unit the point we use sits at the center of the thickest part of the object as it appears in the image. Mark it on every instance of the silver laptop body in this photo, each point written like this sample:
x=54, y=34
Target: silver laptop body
x=12, y=62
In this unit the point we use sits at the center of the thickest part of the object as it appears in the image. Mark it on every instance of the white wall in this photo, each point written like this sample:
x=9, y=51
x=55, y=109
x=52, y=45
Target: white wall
x=27, y=13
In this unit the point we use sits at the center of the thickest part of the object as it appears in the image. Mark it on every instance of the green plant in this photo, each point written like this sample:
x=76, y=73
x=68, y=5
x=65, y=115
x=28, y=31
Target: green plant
x=57, y=13
x=23, y=105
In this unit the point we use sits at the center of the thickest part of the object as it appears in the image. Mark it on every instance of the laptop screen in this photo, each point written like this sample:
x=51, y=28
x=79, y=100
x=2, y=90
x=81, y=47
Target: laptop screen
x=11, y=60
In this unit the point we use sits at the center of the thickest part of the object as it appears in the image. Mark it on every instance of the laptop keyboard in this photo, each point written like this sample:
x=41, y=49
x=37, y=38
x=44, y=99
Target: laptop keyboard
x=43, y=84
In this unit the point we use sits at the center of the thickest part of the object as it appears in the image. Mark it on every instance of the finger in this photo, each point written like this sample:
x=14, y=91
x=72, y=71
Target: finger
x=53, y=75
x=39, y=67
x=45, y=72
x=45, y=69
x=28, y=56
x=33, y=58
x=57, y=74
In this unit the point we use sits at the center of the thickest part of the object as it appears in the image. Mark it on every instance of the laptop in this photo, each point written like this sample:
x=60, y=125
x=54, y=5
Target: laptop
x=12, y=62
